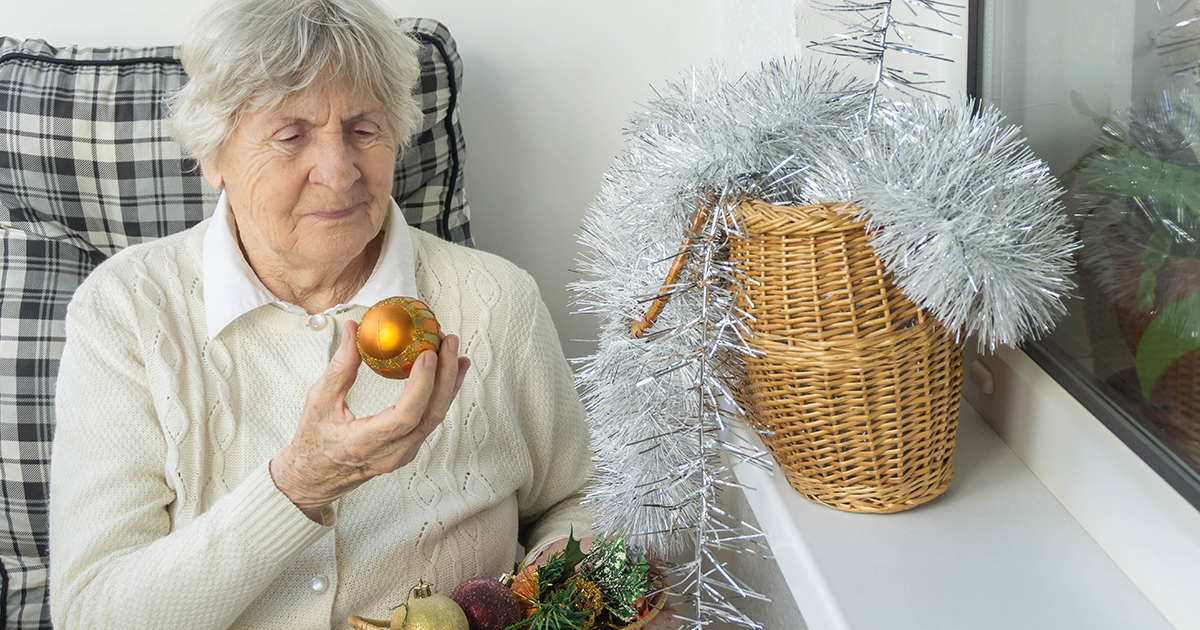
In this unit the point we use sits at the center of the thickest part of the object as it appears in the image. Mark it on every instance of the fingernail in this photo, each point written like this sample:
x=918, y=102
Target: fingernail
x=429, y=359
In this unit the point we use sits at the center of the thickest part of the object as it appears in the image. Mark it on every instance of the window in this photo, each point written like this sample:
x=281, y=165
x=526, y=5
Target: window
x=1106, y=91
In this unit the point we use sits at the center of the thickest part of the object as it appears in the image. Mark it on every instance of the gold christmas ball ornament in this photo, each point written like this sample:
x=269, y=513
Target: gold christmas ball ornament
x=426, y=610
x=394, y=332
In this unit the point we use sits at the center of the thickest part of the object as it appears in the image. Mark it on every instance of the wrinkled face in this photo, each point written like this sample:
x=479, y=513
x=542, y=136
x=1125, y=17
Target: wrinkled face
x=309, y=181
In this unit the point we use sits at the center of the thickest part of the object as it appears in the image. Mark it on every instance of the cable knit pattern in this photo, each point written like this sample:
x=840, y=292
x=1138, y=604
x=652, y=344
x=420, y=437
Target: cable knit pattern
x=163, y=513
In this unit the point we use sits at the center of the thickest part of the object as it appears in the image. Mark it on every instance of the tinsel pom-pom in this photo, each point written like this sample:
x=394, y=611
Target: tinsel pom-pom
x=963, y=215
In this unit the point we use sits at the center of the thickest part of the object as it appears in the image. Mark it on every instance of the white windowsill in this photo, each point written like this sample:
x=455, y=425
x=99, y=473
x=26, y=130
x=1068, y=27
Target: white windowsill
x=1143, y=524
x=997, y=550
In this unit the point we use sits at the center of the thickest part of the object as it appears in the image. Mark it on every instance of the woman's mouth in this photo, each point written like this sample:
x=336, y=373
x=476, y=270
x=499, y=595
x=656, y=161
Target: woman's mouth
x=337, y=215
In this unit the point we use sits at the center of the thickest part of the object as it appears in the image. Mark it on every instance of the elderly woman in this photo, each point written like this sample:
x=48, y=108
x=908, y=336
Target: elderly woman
x=222, y=456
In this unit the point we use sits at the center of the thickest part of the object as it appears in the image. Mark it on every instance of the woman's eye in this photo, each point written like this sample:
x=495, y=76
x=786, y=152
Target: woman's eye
x=365, y=133
x=289, y=139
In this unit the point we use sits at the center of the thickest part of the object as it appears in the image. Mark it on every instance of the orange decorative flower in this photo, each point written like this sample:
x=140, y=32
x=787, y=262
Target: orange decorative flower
x=525, y=586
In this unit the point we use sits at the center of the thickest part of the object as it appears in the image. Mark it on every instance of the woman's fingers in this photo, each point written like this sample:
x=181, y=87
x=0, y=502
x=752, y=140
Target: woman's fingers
x=409, y=410
x=432, y=385
x=337, y=447
x=332, y=453
x=449, y=379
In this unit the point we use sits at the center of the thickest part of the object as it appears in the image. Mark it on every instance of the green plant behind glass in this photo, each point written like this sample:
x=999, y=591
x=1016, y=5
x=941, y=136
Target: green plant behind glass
x=1148, y=166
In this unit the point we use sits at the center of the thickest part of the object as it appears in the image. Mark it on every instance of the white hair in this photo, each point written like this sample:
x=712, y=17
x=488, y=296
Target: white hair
x=243, y=56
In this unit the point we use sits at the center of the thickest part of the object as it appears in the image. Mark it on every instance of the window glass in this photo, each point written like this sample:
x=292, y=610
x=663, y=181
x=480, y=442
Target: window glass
x=1106, y=91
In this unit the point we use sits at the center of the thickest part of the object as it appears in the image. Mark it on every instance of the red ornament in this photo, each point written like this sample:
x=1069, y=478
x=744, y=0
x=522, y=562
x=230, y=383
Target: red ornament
x=489, y=605
x=394, y=332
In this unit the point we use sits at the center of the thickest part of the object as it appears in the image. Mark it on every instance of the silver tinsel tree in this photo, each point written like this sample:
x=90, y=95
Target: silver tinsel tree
x=875, y=28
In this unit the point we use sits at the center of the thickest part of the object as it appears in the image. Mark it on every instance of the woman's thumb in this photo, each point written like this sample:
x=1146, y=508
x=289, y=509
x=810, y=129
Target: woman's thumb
x=343, y=366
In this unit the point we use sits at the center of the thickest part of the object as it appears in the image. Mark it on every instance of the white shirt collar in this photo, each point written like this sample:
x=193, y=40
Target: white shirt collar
x=231, y=289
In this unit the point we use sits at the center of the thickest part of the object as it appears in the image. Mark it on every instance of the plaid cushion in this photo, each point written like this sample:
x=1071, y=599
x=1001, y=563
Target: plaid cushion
x=87, y=167
x=429, y=178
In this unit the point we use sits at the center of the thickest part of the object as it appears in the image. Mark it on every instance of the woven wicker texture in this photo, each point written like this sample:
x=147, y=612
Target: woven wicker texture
x=856, y=389
x=656, y=606
x=360, y=623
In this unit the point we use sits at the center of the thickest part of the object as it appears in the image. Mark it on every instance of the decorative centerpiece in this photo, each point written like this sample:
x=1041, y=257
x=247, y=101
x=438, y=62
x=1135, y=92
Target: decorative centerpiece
x=792, y=250
x=610, y=587
x=607, y=588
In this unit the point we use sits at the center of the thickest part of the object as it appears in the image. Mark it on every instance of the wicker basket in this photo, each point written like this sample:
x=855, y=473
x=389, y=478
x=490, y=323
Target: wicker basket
x=856, y=390
x=656, y=606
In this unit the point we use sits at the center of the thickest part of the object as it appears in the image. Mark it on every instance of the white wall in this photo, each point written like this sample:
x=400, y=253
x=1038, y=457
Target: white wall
x=548, y=87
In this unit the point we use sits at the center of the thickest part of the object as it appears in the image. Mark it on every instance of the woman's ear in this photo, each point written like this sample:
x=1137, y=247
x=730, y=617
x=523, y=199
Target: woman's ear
x=212, y=175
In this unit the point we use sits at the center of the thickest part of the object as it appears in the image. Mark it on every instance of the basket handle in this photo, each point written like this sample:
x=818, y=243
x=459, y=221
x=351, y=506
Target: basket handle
x=660, y=302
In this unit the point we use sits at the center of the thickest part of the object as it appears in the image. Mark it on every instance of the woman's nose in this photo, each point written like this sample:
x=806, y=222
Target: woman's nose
x=333, y=164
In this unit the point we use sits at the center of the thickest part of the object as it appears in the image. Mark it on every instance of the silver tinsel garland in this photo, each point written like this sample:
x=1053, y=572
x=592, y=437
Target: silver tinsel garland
x=660, y=403
x=962, y=213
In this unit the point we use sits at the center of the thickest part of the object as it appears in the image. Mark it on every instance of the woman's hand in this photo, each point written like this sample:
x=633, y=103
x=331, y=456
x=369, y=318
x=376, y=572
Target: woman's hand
x=333, y=452
x=585, y=544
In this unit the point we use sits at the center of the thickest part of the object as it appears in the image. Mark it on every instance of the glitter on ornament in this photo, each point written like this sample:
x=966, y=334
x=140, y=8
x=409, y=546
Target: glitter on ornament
x=394, y=332
x=489, y=605
x=426, y=610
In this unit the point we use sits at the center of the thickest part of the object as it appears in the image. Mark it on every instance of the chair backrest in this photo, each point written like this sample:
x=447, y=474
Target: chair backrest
x=87, y=167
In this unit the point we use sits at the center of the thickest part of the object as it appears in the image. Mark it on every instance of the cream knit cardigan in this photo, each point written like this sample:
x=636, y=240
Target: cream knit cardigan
x=162, y=510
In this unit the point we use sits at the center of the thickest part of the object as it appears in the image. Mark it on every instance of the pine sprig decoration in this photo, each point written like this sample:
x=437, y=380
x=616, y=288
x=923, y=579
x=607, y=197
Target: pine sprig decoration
x=558, y=609
x=963, y=215
x=620, y=579
x=560, y=566
x=563, y=600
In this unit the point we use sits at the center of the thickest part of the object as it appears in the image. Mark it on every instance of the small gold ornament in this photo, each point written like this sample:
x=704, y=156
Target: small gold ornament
x=590, y=598
x=394, y=332
x=426, y=610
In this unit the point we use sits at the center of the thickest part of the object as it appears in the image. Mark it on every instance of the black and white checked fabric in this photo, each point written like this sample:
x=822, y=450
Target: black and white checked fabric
x=429, y=178
x=87, y=167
